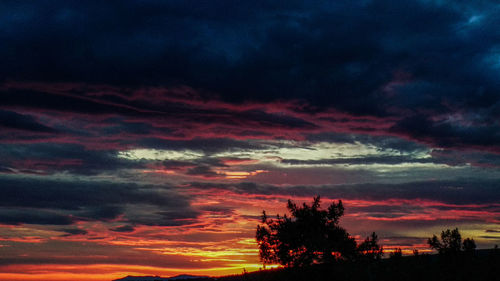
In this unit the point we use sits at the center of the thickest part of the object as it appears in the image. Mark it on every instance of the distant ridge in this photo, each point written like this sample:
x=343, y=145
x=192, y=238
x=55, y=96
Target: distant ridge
x=187, y=276
x=158, y=278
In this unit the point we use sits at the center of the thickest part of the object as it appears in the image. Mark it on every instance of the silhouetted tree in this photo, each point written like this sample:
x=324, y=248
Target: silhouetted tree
x=309, y=235
x=397, y=254
x=469, y=245
x=370, y=248
x=451, y=242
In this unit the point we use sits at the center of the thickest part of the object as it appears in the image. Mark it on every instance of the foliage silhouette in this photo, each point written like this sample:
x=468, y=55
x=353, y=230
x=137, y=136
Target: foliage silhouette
x=310, y=235
x=480, y=267
x=469, y=245
x=415, y=253
x=451, y=243
x=370, y=248
x=398, y=254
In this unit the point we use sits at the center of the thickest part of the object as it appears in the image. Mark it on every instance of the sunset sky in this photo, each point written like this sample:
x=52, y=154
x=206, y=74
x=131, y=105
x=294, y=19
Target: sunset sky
x=146, y=137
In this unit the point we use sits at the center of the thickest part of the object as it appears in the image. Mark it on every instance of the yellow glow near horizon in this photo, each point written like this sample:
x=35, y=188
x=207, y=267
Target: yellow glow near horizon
x=108, y=272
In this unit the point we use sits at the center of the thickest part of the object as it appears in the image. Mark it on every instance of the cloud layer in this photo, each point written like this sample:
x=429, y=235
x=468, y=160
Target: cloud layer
x=149, y=136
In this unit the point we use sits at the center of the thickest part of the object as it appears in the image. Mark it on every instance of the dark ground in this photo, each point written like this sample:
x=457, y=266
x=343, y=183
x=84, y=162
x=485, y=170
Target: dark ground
x=479, y=266
x=482, y=265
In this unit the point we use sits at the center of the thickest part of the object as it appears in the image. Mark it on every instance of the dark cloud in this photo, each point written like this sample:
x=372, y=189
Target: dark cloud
x=123, y=117
x=13, y=120
x=263, y=51
x=205, y=171
x=386, y=209
x=459, y=191
x=58, y=157
x=485, y=207
x=78, y=103
x=43, y=201
x=175, y=217
x=383, y=143
x=102, y=213
x=226, y=211
x=6, y=170
x=206, y=145
x=489, y=237
x=16, y=216
x=448, y=134
x=391, y=160
x=123, y=228
x=196, y=164
x=85, y=159
x=74, y=231
x=174, y=164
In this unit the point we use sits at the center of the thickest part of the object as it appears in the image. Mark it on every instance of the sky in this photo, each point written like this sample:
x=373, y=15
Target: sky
x=146, y=137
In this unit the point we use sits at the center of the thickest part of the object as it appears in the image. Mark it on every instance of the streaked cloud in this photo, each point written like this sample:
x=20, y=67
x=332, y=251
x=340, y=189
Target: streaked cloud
x=148, y=138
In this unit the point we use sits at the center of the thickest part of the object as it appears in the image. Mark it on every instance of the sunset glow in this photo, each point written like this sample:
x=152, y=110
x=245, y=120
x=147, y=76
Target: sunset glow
x=146, y=138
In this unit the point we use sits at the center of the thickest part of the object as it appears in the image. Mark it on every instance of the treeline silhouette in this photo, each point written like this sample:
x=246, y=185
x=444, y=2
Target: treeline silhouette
x=483, y=266
x=311, y=245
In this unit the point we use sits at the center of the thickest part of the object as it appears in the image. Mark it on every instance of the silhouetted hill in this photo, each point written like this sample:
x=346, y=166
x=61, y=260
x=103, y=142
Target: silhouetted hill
x=158, y=278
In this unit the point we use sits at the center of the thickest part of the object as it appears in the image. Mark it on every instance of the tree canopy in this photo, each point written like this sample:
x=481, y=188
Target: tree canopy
x=451, y=242
x=370, y=248
x=310, y=235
